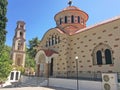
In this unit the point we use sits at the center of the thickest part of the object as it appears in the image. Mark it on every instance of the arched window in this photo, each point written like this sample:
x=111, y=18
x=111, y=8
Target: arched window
x=21, y=34
x=20, y=45
x=72, y=19
x=65, y=19
x=60, y=20
x=49, y=42
x=52, y=40
x=102, y=54
x=56, y=39
x=108, y=56
x=21, y=26
x=78, y=19
x=99, y=57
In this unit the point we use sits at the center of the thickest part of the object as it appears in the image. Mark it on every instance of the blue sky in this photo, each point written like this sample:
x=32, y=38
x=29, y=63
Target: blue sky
x=39, y=14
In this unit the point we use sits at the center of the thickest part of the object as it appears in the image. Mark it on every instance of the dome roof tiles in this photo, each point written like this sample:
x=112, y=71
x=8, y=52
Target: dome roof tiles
x=71, y=8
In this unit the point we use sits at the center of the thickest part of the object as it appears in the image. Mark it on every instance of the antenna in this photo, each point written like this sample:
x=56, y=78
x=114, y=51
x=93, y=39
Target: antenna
x=70, y=2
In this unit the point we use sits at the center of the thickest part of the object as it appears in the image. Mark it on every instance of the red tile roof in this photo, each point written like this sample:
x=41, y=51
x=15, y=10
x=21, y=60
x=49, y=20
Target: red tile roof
x=49, y=52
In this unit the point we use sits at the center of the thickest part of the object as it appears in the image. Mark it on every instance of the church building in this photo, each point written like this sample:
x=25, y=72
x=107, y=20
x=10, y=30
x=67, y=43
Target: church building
x=71, y=44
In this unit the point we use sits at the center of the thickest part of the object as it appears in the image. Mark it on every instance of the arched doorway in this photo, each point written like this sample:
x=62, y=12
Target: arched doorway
x=45, y=62
x=40, y=64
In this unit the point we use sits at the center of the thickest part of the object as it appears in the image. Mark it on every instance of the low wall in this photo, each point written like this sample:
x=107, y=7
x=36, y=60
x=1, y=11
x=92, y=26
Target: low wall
x=72, y=84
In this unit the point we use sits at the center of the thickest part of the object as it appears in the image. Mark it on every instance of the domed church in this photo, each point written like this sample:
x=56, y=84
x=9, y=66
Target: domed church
x=71, y=44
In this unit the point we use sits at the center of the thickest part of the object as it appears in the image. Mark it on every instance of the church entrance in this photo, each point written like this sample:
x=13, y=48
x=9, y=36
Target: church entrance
x=51, y=67
x=45, y=62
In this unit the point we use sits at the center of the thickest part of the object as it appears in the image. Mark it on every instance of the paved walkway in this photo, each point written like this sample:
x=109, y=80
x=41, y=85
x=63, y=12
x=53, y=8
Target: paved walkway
x=34, y=88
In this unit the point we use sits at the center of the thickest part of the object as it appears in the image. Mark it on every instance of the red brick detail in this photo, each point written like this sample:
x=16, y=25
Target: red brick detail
x=104, y=31
x=117, y=39
x=94, y=33
x=115, y=45
x=98, y=71
x=99, y=37
x=81, y=66
x=111, y=65
x=94, y=44
x=88, y=60
x=116, y=27
x=110, y=34
x=106, y=41
x=90, y=65
x=82, y=51
x=80, y=61
x=86, y=45
x=90, y=40
x=110, y=71
x=100, y=65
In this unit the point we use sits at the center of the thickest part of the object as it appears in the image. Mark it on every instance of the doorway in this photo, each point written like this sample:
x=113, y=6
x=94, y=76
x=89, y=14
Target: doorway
x=51, y=67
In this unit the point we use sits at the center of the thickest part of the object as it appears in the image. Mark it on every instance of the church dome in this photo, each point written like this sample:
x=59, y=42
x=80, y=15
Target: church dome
x=71, y=19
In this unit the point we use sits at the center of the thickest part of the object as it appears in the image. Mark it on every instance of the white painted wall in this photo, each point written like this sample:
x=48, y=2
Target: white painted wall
x=72, y=84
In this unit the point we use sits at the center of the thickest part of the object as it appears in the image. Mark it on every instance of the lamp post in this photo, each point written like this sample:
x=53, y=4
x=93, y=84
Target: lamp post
x=76, y=58
x=48, y=74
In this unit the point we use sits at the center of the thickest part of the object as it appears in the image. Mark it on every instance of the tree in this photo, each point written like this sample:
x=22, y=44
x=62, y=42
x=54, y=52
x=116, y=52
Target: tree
x=5, y=63
x=29, y=62
x=31, y=52
x=3, y=20
x=32, y=44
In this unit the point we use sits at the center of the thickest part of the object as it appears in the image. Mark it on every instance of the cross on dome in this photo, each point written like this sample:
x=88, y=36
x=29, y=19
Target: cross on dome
x=70, y=2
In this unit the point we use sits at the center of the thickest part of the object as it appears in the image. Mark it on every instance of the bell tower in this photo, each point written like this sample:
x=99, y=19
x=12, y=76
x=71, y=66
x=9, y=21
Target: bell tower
x=18, y=47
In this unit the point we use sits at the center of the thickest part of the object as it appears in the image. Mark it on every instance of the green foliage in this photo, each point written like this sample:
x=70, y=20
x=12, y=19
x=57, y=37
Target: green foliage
x=32, y=44
x=3, y=20
x=29, y=62
x=31, y=52
x=19, y=68
x=5, y=63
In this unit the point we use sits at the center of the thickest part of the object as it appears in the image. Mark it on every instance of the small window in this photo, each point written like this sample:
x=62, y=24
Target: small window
x=65, y=19
x=60, y=20
x=72, y=19
x=21, y=34
x=78, y=19
x=21, y=26
x=59, y=39
x=12, y=76
x=17, y=74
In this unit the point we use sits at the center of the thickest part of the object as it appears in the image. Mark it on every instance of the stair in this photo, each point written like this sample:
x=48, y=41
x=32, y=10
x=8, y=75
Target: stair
x=27, y=81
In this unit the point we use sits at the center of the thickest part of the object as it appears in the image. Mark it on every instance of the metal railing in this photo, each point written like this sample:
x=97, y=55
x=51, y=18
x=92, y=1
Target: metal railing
x=82, y=75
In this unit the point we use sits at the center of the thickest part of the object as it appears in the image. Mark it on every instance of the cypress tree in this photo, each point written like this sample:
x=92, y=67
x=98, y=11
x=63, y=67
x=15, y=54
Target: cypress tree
x=3, y=21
